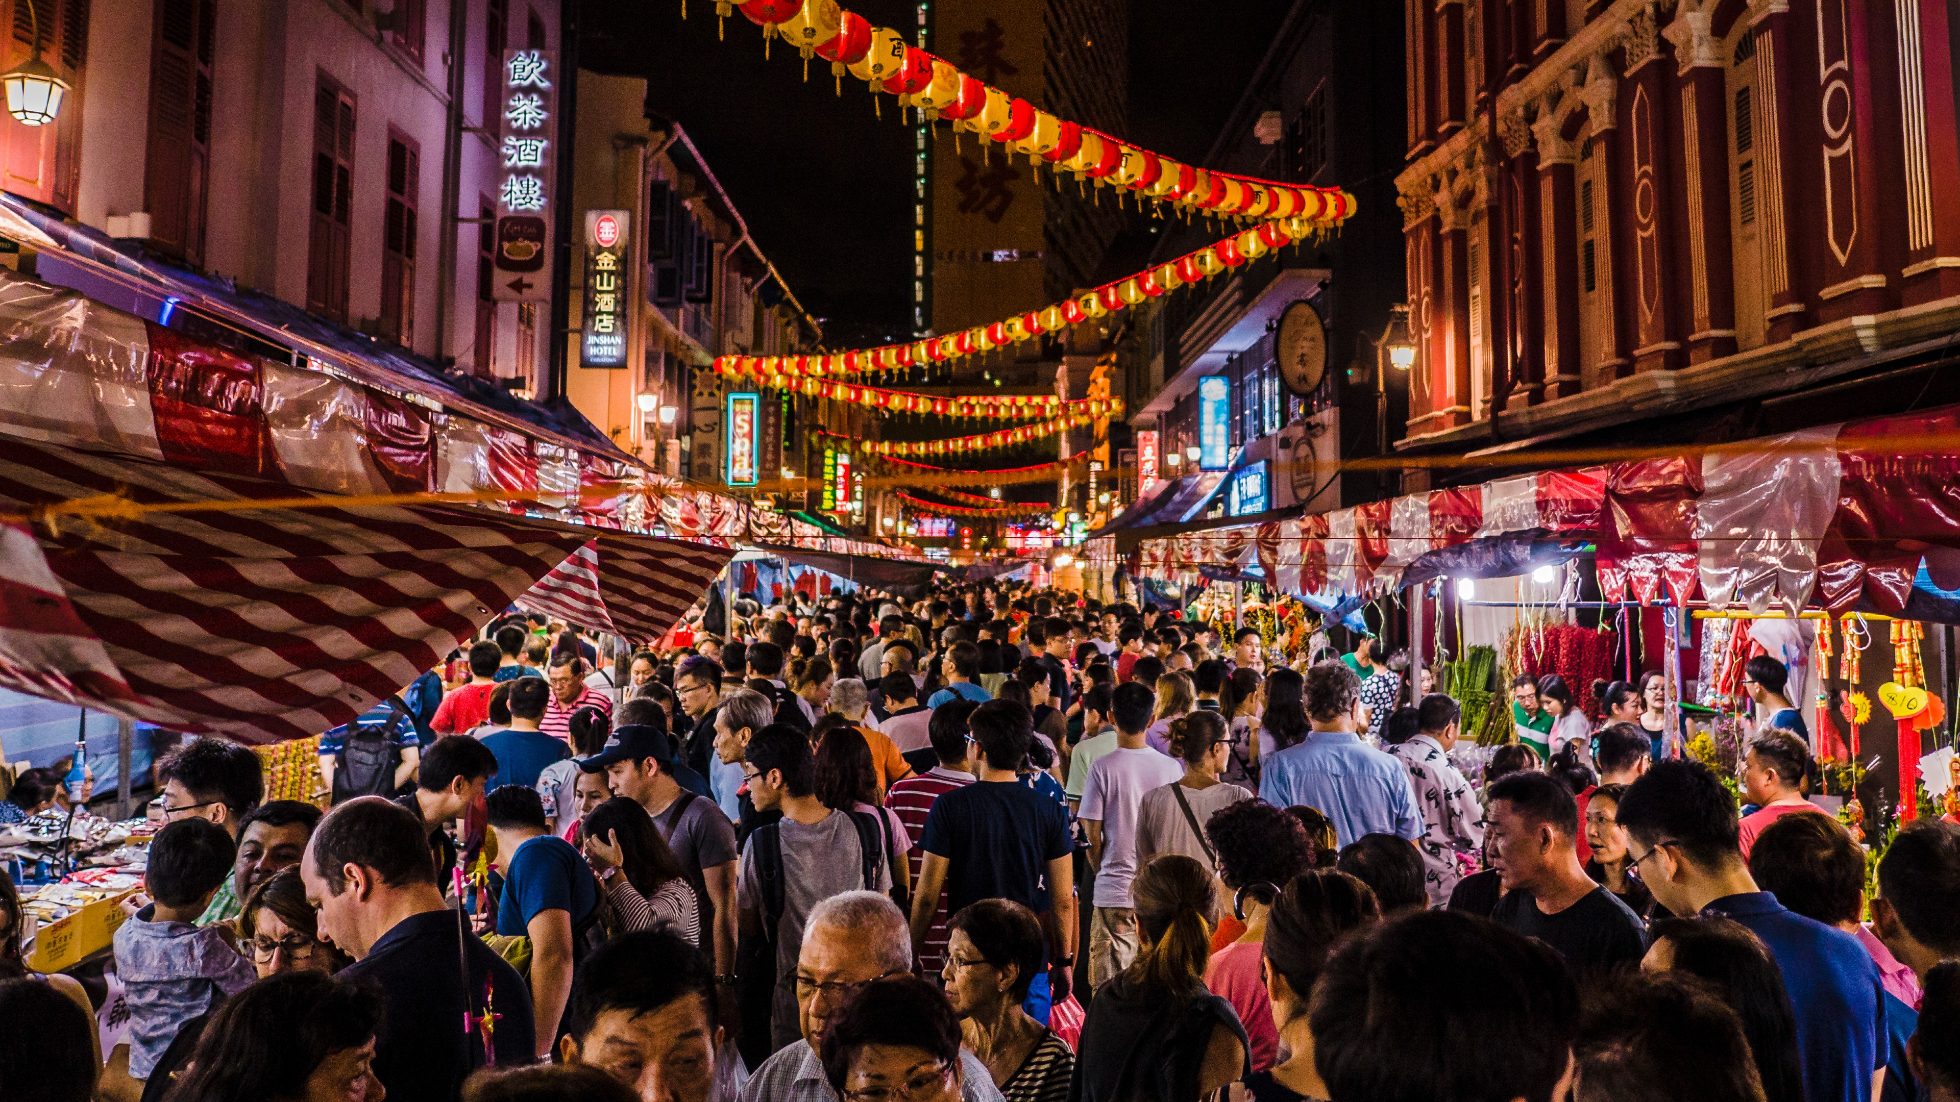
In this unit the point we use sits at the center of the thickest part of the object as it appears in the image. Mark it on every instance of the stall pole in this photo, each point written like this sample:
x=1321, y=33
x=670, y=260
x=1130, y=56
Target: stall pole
x=125, y=751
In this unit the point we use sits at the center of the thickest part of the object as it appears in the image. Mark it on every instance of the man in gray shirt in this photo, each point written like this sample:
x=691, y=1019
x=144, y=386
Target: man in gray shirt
x=819, y=853
x=851, y=939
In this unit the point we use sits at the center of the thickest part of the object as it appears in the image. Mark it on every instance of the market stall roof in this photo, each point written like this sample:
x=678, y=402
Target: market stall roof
x=885, y=573
x=1840, y=517
x=168, y=597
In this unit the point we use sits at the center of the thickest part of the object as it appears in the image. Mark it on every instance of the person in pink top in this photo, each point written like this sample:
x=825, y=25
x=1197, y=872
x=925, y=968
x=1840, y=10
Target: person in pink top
x=1259, y=848
x=1773, y=776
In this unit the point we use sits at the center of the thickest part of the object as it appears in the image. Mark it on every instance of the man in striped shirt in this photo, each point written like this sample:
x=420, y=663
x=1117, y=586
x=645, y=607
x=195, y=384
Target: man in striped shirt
x=912, y=800
x=569, y=693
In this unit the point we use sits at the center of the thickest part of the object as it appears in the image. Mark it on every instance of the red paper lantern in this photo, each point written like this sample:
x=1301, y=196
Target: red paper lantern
x=971, y=100
x=1069, y=143
x=913, y=74
x=851, y=43
x=766, y=12
x=1187, y=178
x=1152, y=168
x=1031, y=321
x=1112, y=156
x=997, y=333
x=1149, y=284
x=1227, y=253
x=941, y=406
x=1273, y=236
x=1110, y=296
x=1020, y=121
x=1072, y=312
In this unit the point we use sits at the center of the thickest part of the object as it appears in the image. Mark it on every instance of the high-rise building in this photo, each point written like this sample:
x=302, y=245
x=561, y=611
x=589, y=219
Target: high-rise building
x=991, y=237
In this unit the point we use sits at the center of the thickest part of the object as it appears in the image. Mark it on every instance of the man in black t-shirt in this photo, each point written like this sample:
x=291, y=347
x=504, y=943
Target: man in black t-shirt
x=449, y=782
x=1532, y=832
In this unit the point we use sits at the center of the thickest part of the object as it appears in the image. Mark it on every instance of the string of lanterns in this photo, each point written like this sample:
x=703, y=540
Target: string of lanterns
x=991, y=502
x=1197, y=266
x=995, y=511
x=887, y=64
x=986, y=441
x=924, y=475
x=804, y=381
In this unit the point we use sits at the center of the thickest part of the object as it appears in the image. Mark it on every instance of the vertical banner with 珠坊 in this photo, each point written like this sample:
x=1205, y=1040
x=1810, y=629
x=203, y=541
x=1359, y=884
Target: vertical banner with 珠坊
x=525, y=176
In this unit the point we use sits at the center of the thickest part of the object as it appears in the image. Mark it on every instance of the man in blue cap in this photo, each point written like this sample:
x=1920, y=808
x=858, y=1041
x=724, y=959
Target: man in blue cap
x=642, y=764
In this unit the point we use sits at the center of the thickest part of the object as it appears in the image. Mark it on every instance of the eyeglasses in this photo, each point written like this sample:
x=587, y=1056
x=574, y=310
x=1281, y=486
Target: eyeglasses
x=181, y=808
x=836, y=992
x=750, y=776
x=297, y=948
x=963, y=965
x=1638, y=861
x=696, y=687
x=919, y=1085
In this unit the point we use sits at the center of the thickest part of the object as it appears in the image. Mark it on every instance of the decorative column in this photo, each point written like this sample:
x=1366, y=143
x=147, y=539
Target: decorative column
x=1521, y=340
x=1601, y=92
x=1659, y=278
x=1931, y=141
x=1776, y=138
x=1450, y=54
x=1854, y=278
x=1559, y=261
x=1704, y=185
x=1418, y=234
x=1453, y=304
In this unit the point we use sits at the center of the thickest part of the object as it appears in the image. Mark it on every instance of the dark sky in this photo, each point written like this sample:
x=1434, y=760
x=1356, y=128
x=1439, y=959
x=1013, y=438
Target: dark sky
x=823, y=183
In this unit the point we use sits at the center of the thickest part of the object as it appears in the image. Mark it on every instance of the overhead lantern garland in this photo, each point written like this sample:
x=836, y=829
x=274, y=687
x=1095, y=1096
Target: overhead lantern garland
x=926, y=475
x=986, y=441
x=803, y=374
x=881, y=58
x=999, y=510
x=1213, y=260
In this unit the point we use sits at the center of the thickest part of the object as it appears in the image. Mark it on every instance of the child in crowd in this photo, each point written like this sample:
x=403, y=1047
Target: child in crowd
x=171, y=970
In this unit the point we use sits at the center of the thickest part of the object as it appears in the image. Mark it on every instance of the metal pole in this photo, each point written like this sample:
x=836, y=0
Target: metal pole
x=125, y=751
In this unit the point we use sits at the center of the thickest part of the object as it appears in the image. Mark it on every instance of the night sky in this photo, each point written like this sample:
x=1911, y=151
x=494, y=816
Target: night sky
x=823, y=183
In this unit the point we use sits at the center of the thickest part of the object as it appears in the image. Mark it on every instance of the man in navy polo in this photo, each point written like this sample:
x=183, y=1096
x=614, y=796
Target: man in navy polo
x=1686, y=847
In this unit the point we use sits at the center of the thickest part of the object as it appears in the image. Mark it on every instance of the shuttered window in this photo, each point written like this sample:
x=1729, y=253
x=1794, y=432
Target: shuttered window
x=328, y=235
x=398, y=240
x=177, y=157
x=411, y=26
x=484, y=352
x=496, y=36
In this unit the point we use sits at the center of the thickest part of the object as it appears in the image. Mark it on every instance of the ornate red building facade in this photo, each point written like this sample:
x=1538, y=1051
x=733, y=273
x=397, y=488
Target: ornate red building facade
x=1620, y=208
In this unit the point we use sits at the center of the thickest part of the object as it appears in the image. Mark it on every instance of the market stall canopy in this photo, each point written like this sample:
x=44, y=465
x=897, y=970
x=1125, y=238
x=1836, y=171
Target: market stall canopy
x=872, y=570
x=273, y=622
x=1840, y=517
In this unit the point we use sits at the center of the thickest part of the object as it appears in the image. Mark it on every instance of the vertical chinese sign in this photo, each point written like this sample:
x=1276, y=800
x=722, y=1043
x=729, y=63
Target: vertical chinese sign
x=526, y=160
x=744, y=438
x=1214, y=423
x=604, y=327
x=1147, y=460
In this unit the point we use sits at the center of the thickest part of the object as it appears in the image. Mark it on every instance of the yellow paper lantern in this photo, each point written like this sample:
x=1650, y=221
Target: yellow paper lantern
x=944, y=88
x=1089, y=156
x=1166, y=179
x=998, y=112
x=1251, y=245
x=1046, y=137
x=1209, y=263
x=1259, y=200
x=1129, y=168
x=1131, y=292
x=815, y=25
x=1016, y=332
x=1052, y=319
x=1167, y=277
x=886, y=56
x=1092, y=305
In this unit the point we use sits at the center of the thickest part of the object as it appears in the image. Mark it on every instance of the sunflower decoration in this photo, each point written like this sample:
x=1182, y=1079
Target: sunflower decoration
x=1858, y=708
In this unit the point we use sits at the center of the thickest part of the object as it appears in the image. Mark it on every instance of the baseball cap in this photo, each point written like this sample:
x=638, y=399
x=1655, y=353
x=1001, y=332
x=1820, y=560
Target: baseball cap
x=632, y=742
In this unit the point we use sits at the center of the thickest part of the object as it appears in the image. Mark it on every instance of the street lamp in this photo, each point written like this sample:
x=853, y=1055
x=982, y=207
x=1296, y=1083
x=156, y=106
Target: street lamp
x=668, y=415
x=1394, y=348
x=1193, y=452
x=34, y=90
x=993, y=492
x=647, y=401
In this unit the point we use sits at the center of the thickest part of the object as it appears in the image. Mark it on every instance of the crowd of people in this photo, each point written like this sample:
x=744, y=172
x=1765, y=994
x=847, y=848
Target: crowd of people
x=1001, y=843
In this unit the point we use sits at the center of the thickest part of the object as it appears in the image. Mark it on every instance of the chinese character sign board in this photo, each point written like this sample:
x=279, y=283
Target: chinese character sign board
x=1147, y=459
x=604, y=327
x=1250, y=491
x=525, y=176
x=744, y=438
x=829, y=494
x=1214, y=423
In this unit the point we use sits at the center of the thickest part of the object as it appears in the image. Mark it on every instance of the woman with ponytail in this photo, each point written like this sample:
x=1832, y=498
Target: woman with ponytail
x=1155, y=1033
x=1306, y=922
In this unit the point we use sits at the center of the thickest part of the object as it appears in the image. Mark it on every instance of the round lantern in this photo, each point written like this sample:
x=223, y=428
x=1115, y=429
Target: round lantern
x=1091, y=304
x=1088, y=152
x=1227, y=253
x=1251, y=245
x=997, y=333
x=1258, y=200
x=884, y=57
x=1112, y=156
x=1031, y=321
x=1020, y=122
x=1188, y=270
x=940, y=406
x=1149, y=170
x=1073, y=313
x=914, y=73
x=1166, y=181
x=1068, y=142
x=814, y=26
x=1051, y=318
x=1166, y=278
x=1274, y=236
x=767, y=12
x=849, y=44
x=944, y=88
x=994, y=112
x=972, y=98
x=1132, y=291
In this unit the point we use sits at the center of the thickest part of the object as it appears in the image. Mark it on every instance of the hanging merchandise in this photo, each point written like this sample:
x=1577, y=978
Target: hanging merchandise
x=1218, y=258
x=1912, y=707
x=802, y=374
x=1857, y=706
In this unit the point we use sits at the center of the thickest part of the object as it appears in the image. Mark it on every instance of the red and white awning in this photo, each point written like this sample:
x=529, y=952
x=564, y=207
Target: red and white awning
x=1835, y=517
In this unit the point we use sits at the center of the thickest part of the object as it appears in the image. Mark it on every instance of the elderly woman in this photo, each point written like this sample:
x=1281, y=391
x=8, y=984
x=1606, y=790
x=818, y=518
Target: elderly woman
x=996, y=950
x=896, y=1039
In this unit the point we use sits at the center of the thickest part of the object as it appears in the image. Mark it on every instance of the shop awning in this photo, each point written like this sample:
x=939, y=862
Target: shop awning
x=1840, y=517
x=274, y=622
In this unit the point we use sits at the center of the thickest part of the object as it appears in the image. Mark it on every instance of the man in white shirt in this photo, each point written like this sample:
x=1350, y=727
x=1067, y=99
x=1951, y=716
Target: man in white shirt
x=1453, y=821
x=1110, y=799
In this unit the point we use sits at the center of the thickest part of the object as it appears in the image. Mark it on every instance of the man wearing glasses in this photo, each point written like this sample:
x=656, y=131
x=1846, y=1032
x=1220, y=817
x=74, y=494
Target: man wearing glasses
x=209, y=778
x=697, y=685
x=849, y=941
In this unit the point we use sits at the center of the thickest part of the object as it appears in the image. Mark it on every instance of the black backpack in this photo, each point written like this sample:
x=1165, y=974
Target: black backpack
x=367, y=760
x=757, y=956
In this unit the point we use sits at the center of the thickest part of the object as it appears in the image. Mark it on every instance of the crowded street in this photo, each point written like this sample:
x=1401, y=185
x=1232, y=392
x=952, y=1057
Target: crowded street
x=979, y=551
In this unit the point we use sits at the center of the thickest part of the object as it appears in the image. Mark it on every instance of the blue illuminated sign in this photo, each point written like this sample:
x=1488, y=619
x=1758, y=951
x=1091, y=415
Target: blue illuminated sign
x=1249, y=491
x=1214, y=423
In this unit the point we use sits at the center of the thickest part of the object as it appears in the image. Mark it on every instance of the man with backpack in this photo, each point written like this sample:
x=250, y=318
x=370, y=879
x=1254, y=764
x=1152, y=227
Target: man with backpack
x=788, y=867
x=375, y=755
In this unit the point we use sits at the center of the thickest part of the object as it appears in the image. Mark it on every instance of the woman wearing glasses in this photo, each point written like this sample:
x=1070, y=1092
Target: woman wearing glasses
x=996, y=950
x=896, y=1040
x=279, y=931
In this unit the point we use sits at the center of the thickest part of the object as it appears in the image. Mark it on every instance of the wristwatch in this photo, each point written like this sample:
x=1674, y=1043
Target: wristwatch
x=726, y=981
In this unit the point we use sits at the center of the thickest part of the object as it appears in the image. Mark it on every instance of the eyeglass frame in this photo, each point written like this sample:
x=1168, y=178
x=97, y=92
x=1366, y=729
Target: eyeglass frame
x=844, y=990
x=301, y=948
x=911, y=1088
x=1657, y=847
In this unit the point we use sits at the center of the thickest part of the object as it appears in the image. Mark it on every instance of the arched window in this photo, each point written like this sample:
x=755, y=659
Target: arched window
x=1746, y=226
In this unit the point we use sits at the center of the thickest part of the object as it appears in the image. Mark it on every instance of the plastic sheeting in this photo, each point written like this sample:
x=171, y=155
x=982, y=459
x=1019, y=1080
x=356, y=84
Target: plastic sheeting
x=1761, y=519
